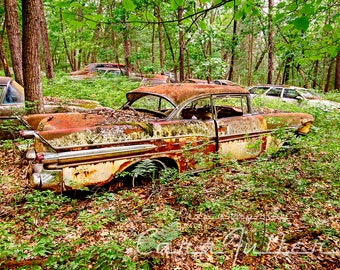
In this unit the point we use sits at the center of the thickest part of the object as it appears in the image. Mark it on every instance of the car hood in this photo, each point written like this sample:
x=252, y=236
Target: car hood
x=98, y=126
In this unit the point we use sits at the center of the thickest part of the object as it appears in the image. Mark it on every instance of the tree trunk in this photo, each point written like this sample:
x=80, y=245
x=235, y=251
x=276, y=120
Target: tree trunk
x=127, y=46
x=153, y=38
x=45, y=43
x=31, y=60
x=2, y=54
x=95, y=38
x=329, y=72
x=232, y=59
x=250, y=58
x=73, y=67
x=160, y=39
x=270, y=43
x=14, y=40
x=172, y=53
x=259, y=61
x=285, y=76
x=300, y=71
x=181, y=45
x=315, y=73
x=337, y=72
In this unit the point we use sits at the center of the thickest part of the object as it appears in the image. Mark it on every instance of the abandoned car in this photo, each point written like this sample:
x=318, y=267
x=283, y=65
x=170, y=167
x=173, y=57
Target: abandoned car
x=12, y=106
x=293, y=94
x=188, y=127
x=94, y=69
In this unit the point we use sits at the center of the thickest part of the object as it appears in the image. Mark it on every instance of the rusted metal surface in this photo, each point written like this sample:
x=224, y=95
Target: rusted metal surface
x=82, y=150
x=178, y=93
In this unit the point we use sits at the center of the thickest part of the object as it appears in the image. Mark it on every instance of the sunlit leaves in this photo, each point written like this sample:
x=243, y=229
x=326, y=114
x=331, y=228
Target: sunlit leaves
x=129, y=5
x=176, y=3
x=301, y=23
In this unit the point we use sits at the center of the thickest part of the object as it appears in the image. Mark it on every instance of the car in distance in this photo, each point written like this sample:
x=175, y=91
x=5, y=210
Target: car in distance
x=187, y=127
x=292, y=94
x=12, y=106
x=94, y=69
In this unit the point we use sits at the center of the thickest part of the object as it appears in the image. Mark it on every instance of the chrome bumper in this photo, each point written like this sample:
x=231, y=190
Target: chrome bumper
x=47, y=179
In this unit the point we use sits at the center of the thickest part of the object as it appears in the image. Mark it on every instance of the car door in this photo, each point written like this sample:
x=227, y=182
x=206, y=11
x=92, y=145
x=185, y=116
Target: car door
x=274, y=93
x=240, y=135
x=291, y=96
x=196, y=129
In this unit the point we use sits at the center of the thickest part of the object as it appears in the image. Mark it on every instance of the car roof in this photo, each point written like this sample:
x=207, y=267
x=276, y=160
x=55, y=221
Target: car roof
x=5, y=80
x=178, y=93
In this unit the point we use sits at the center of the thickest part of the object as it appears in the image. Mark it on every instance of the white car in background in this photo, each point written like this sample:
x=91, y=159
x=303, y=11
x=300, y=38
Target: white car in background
x=292, y=94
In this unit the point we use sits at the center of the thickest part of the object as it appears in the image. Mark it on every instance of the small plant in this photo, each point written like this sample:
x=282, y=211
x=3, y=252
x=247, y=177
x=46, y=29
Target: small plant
x=44, y=202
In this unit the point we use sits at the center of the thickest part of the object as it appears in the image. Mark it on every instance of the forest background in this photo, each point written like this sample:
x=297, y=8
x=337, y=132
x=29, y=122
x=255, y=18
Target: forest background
x=248, y=42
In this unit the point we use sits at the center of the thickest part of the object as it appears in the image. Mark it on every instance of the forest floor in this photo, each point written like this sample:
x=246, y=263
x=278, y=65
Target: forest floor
x=235, y=217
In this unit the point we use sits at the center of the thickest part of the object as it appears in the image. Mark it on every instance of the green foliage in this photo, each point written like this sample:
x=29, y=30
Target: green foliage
x=43, y=203
x=145, y=168
x=109, y=91
x=156, y=239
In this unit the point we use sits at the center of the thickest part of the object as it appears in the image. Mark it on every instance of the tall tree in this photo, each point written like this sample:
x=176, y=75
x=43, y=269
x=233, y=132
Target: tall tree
x=67, y=51
x=181, y=44
x=270, y=43
x=233, y=44
x=14, y=39
x=329, y=74
x=45, y=42
x=233, y=51
x=127, y=46
x=2, y=54
x=160, y=37
x=337, y=72
x=31, y=59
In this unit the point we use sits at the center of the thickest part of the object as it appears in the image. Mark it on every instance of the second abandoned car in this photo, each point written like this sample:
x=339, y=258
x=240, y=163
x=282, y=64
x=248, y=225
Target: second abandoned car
x=12, y=107
x=189, y=127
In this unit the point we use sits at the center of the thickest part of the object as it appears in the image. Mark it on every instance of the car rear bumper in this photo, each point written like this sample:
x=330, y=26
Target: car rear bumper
x=47, y=179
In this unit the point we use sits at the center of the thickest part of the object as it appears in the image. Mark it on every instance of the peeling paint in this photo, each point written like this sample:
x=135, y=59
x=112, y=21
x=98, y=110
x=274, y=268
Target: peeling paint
x=125, y=133
x=91, y=174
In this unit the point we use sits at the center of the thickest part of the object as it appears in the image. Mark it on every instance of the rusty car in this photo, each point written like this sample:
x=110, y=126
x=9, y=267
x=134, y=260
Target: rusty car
x=94, y=69
x=186, y=127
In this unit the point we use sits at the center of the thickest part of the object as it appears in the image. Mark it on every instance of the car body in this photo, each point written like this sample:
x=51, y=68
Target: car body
x=12, y=106
x=188, y=127
x=154, y=79
x=200, y=81
x=224, y=82
x=94, y=69
x=292, y=94
x=197, y=81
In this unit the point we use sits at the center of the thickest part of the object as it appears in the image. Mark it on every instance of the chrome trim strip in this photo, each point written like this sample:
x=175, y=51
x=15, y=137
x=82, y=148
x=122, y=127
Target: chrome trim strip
x=91, y=154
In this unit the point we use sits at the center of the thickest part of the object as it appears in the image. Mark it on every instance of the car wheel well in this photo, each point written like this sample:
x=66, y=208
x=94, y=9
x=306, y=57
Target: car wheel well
x=142, y=172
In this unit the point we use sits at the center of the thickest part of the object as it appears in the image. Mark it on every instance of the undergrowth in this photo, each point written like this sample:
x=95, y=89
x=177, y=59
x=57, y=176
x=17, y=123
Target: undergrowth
x=108, y=90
